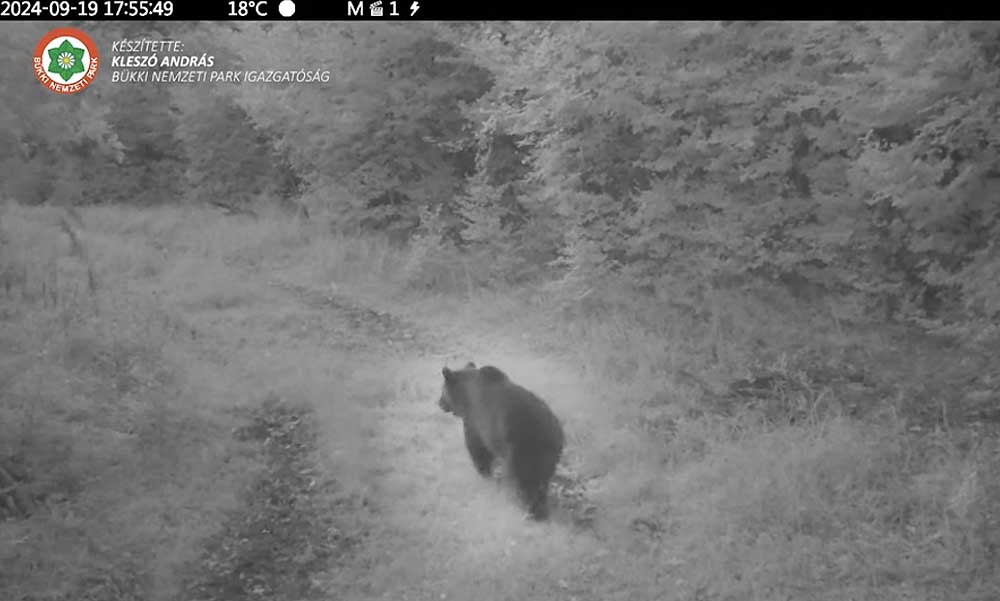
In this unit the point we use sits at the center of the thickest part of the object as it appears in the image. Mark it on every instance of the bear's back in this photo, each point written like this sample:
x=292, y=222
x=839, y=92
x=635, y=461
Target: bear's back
x=523, y=418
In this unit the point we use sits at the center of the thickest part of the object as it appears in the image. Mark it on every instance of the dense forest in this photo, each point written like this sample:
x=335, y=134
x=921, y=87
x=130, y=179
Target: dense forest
x=857, y=160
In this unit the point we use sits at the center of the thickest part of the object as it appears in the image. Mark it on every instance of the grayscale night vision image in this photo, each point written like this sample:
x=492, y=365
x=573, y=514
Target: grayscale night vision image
x=302, y=310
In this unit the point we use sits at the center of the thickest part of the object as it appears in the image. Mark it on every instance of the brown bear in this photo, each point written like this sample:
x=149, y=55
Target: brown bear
x=503, y=420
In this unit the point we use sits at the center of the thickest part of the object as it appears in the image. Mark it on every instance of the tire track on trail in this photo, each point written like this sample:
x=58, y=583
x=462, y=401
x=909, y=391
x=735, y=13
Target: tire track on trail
x=297, y=518
x=440, y=531
x=365, y=325
x=284, y=532
x=416, y=522
x=297, y=521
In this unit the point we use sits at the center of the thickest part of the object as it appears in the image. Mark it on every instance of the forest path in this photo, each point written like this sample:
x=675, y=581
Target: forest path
x=369, y=493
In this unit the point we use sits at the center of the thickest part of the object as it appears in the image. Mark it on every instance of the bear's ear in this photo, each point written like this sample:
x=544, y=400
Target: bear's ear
x=470, y=365
x=446, y=373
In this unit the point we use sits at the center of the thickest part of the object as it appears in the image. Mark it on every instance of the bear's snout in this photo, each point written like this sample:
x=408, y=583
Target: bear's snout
x=444, y=406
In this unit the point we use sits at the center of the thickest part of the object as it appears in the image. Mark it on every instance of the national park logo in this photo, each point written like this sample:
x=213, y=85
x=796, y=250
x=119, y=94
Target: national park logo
x=66, y=60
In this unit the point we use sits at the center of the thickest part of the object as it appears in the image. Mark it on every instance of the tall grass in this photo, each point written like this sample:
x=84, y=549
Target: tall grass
x=104, y=382
x=107, y=417
x=738, y=505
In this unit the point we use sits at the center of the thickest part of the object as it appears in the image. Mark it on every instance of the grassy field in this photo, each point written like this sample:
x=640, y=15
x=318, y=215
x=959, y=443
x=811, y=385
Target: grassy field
x=201, y=406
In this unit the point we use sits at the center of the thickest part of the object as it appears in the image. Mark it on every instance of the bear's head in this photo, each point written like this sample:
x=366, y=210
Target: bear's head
x=455, y=392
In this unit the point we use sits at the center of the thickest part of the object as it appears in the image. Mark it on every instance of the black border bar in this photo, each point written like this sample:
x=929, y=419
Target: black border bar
x=456, y=10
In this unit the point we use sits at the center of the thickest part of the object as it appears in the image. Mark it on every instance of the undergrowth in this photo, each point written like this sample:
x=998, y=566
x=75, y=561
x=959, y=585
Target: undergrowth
x=753, y=447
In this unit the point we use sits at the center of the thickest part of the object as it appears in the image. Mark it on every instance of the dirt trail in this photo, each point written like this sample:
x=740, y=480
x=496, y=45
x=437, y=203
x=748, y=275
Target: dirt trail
x=368, y=493
x=284, y=533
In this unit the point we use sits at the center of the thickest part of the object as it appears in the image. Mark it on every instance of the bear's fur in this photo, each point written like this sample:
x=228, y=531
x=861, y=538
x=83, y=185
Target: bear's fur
x=506, y=421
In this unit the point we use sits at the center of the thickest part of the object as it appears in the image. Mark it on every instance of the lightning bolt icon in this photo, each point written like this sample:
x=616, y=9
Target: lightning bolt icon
x=414, y=8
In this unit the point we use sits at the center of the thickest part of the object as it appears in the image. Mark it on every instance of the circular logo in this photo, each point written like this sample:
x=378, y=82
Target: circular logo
x=66, y=60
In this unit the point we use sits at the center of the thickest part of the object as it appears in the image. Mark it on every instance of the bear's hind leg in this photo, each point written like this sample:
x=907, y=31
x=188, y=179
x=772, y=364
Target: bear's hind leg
x=482, y=458
x=538, y=503
x=532, y=473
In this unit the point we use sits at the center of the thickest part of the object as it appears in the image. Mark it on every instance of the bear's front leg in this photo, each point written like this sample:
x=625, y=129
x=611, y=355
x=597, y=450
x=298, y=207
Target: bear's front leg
x=482, y=458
